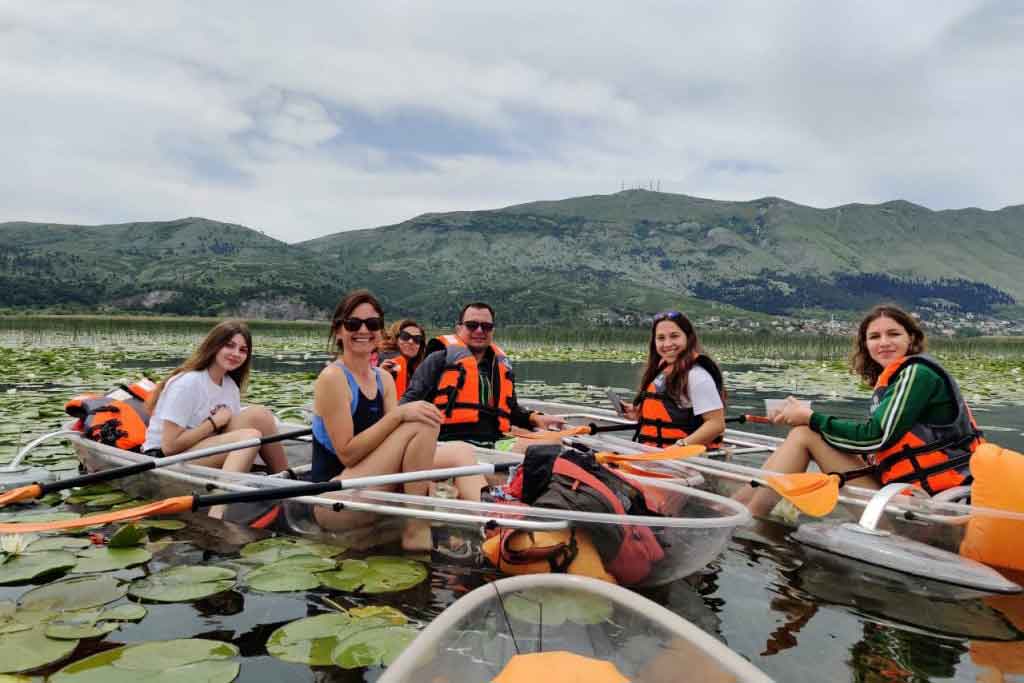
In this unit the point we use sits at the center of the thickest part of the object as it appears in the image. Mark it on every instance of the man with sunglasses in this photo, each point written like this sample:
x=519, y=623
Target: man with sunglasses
x=469, y=378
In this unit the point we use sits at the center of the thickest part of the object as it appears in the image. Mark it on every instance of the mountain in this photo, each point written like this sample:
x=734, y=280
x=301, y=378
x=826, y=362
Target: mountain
x=586, y=258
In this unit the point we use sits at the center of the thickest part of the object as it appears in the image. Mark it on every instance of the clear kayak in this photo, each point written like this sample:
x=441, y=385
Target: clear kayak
x=574, y=629
x=911, y=534
x=692, y=525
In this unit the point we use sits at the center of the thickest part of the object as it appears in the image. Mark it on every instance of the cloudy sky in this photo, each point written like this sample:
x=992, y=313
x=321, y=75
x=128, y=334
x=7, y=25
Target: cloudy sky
x=311, y=118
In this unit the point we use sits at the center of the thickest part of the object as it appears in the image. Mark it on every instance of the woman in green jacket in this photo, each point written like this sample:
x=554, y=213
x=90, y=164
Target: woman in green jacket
x=919, y=431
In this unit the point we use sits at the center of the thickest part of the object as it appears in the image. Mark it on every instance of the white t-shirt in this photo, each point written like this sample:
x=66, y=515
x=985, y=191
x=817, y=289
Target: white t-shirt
x=702, y=392
x=187, y=400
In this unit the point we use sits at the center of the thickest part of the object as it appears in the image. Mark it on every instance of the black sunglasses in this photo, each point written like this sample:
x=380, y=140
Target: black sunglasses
x=372, y=324
x=667, y=315
x=473, y=326
x=405, y=336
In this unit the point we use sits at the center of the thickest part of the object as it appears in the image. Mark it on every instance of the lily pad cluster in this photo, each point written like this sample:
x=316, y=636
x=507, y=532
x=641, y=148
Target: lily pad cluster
x=183, y=583
x=41, y=558
x=48, y=622
x=168, y=661
x=345, y=639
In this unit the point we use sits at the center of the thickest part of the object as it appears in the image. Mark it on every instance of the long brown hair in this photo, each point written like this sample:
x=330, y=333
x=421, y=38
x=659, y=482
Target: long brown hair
x=409, y=322
x=861, y=362
x=205, y=354
x=678, y=374
x=343, y=310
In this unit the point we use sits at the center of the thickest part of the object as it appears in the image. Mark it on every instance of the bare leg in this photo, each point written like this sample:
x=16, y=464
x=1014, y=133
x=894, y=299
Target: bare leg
x=233, y=461
x=261, y=419
x=409, y=448
x=460, y=454
x=794, y=455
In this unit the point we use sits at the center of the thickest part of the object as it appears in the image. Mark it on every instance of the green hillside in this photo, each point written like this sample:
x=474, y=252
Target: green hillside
x=595, y=258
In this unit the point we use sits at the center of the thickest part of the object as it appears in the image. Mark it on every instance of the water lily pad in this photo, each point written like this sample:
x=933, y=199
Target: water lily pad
x=386, y=612
x=183, y=584
x=372, y=646
x=161, y=524
x=377, y=574
x=273, y=549
x=170, y=661
x=127, y=536
x=101, y=559
x=31, y=649
x=126, y=612
x=33, y=517
x=312, y=640
x=22, y=568
x=59, y=543
x=107, y=499
x=75, y=594
x=559, y=606
x=290, y=574
x=62, y=631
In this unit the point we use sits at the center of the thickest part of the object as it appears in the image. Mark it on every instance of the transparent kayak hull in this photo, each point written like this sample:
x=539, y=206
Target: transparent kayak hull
x=693, y=525
x=476, y=637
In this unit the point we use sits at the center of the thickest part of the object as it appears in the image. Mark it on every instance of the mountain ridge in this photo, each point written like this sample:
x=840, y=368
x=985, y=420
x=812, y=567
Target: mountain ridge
x=591, y=258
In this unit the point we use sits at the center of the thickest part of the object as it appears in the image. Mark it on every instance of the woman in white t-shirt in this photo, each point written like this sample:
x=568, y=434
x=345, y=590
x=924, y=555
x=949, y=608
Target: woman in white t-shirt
x=199, y=405
x=681, y=397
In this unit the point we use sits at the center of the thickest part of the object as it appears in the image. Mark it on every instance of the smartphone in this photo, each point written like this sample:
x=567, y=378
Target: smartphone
x=617, y=403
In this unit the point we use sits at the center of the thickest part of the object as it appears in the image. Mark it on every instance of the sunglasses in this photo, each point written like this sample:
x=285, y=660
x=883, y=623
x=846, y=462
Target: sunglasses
x=667, y=315
x=407, y=337
x=372, y=324
x=473, y=326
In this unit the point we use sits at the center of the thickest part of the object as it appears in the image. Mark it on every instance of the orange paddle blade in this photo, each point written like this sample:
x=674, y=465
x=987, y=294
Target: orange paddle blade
x=556, y=436
x=558, y=667
x=813, y=493
x=161, y=507
x=30, y=492
x=671, y=453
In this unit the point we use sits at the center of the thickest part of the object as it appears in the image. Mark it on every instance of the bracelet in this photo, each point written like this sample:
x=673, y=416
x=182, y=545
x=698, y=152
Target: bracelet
x=216, y=429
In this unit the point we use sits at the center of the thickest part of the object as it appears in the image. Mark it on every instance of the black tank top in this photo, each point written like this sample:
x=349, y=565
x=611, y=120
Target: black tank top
x=326, y=465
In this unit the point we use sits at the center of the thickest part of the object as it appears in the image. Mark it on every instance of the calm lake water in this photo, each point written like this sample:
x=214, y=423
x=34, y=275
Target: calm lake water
x=796, y=616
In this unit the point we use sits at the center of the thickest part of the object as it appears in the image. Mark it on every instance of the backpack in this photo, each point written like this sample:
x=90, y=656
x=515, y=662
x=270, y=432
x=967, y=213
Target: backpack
x=567, y=479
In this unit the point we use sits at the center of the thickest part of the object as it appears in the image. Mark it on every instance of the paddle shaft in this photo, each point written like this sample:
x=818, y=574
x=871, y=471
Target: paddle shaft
x=316, y=488
x=758, y=419
x=156, y=463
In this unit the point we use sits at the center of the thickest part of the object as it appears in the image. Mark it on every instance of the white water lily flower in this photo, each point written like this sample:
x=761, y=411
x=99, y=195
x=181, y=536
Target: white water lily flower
x=16, y=544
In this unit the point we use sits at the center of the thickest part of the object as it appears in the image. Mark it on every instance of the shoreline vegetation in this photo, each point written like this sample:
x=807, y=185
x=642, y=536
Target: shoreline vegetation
x=525, y=342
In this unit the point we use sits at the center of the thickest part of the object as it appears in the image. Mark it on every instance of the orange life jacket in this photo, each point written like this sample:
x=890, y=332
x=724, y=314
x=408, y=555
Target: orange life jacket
x=118, y=419
x=401, y=374
x=933, y=456
x=458, y=390
x=662, y=421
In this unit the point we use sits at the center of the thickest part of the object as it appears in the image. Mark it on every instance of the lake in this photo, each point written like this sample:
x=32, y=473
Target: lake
x=796, y=616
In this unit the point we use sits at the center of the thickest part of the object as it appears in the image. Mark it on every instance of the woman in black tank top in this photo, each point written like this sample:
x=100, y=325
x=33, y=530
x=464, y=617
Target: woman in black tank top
x=373, y=435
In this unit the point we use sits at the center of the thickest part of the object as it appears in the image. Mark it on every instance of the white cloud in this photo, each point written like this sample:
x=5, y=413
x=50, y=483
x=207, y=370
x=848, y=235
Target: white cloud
x=304, y=121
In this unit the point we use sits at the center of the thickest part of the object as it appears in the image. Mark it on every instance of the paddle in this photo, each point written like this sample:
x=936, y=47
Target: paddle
x=582, y=430
x=624, y=461
x=180, y=504
x=759, y=419
x=37, y=490
x=814, y=493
